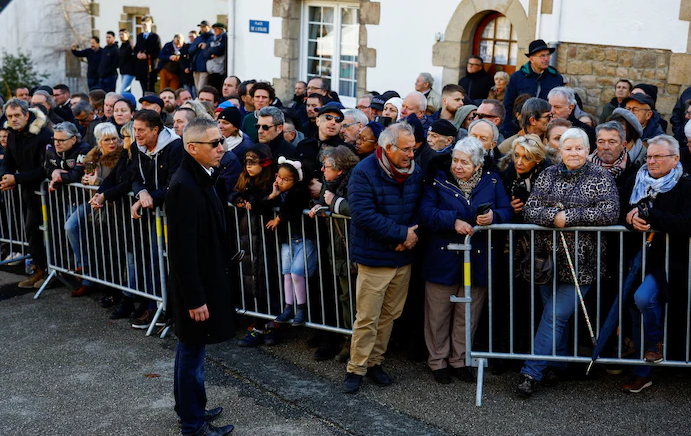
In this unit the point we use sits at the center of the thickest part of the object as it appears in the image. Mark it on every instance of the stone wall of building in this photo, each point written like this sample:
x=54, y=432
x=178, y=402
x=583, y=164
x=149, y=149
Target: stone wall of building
x=593, y=70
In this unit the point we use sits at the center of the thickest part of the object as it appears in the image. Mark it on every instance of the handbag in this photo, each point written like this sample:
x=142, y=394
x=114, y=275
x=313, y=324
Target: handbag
x=544, y=264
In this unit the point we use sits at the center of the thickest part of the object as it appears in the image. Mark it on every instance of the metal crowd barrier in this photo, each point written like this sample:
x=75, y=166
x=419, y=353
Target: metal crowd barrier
x=501, y=239
x=330, y=290
x=13, y=236
x=116, y=250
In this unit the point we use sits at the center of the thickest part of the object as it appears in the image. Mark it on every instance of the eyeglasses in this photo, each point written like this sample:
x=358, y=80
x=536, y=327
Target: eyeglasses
x=62, y=141
x=406, y=150
x=480, y=116
x=474, y=65
x=345, y=126
x=657, y=157
x=284, y=179
x=328, y=167
x=329, y=117
x=264, y=127
x=611, y=142
x=360, y=138
x=635, y=110
x=215, y=143
x=548, y=116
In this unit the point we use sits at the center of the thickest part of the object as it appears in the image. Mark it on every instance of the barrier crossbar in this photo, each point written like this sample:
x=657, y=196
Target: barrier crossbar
x=12, y=227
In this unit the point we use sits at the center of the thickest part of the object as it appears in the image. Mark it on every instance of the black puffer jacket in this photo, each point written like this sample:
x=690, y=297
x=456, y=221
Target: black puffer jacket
x=25, y=152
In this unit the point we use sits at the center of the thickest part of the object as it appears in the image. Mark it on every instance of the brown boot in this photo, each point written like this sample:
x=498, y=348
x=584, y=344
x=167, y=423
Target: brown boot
x=39, y=274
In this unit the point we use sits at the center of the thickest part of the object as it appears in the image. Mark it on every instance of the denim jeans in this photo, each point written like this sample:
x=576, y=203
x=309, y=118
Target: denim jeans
x=565, y=304
x=296, y=263
x=108, y=83
x=188, y=386
x=647, y=303
x=75, y=227
x=126, y=83
x=92, y=82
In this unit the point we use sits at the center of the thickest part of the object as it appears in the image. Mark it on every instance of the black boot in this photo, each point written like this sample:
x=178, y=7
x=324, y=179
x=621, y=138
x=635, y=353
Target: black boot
x=124, y=309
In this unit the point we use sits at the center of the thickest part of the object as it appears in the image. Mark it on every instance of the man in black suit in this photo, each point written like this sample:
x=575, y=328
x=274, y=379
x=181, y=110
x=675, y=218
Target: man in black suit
x=200, y=297
x=146, y=51
x=61, y=95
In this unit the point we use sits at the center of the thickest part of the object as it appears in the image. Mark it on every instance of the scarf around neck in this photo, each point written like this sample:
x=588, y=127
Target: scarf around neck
x=398, y=174
x=646, y=186
x=467, y=186
x=615, y=168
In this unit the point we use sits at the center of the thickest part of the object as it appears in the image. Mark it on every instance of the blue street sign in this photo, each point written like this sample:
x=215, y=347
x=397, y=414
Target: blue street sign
x=259, y=26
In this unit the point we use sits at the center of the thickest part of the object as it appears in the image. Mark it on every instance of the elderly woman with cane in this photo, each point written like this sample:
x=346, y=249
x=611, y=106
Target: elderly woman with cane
x=461, y=194
x=573, y=193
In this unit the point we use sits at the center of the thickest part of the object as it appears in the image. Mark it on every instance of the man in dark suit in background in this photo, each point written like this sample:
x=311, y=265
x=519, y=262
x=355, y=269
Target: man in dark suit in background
x=146, y=51
x=201, y=298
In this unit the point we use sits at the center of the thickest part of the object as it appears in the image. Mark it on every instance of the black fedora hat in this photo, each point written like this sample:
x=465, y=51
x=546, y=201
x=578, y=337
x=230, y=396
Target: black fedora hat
x=539, y=45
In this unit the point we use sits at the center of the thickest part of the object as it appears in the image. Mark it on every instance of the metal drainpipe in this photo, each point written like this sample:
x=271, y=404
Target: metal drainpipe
x=556, y=27
x=539, y=17
x=231, y=37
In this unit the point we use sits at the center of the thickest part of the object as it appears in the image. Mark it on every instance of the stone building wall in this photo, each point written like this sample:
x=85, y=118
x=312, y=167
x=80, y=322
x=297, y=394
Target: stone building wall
x=593, y=70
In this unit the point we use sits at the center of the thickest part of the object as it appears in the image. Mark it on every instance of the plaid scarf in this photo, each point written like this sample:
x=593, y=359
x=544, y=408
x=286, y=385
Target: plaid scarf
x=615, y=168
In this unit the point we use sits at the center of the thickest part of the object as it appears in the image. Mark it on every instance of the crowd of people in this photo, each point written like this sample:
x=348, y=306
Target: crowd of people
x=413, y=172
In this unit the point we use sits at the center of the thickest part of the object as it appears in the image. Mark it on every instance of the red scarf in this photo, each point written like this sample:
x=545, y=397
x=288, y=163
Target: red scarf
x=390, y=169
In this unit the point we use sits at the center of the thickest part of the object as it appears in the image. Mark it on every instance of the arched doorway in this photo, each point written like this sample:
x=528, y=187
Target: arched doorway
x=496, y=42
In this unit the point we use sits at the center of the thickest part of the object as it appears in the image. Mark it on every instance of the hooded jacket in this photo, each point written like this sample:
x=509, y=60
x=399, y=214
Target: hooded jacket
x=71, y=161
x=154, y=170
x=25, y=152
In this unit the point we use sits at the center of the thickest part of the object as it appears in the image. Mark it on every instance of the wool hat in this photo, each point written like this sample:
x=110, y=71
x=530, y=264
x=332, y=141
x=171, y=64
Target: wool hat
x=630, y=118
x=538, y=45
x=398, y=103
x=219, y=25
x=642, y=99
x=650, y=90
x=232, y=115
x=444, y=128
x=376, y=128
x=129, y=96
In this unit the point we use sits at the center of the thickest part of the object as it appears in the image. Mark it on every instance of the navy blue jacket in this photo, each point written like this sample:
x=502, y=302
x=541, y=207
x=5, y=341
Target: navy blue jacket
x=442, y=204
x=199, y=57
x=110, y=61
x=381, y=212
x=527, y=81
x=93, y=58
x=653, y=128
x=71, y=161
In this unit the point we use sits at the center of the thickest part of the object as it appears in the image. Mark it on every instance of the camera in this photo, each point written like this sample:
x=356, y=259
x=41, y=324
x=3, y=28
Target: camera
x=643, y=210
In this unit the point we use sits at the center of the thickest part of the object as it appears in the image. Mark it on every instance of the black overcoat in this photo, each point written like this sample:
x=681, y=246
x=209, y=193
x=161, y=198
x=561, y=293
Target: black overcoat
x=198, y=255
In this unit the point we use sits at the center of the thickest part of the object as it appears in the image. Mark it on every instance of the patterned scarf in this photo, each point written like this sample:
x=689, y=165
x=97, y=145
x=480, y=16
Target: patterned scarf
x=615, y=168
x=467, y=186
x=398, y=174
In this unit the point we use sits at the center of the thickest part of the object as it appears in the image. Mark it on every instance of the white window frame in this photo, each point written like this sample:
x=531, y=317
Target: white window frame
x=348, y=102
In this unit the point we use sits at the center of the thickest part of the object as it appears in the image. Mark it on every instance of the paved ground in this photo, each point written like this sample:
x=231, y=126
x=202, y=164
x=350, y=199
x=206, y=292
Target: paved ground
x=66, y=369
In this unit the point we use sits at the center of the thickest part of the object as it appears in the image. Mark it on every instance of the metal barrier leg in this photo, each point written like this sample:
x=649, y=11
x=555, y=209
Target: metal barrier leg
x=482, y=363
x=153, y=321
x=45, y=284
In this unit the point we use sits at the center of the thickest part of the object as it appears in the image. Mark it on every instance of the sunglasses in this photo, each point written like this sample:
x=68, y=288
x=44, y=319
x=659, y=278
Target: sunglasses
x=264, y=127
x=329, y=117
x=215, y=143
x=483, y=116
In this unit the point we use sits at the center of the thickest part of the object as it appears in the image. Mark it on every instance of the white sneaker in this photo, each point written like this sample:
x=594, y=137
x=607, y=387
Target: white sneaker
x=14, y=256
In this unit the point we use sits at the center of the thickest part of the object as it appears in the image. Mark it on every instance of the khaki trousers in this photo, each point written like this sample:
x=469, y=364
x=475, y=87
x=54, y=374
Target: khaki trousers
x=200, y=79
x=380, y=296
x=445, y=323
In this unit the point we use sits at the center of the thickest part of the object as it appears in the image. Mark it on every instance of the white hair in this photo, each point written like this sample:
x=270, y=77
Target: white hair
x=575, y=133
x=357, y=115
x=495, y=130
x=563, y=91
x=422, y=100
x=472, y=147
x=669, y=141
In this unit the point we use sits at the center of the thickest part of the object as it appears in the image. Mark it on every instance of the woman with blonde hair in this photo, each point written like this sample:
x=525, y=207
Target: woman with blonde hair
x=501, y=81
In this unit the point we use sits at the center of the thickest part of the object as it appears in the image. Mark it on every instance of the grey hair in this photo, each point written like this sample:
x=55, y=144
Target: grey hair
x=495, y=130
x=68, y=128
x=367, y=96
x=275, y=113
x=357, y=115
x=196, y=128
x=127, y=129
x=427, y=78
x=422, y=100
x=82, y=106
x=502, y=75
x=113, y=94
x=563, y=91
x=49, y=98
x=15, y=102
x=472, y=147
x=612, y=125
x=198, y=109
x=671, y=143
x=105, y=130
x=575, y=133
x=391, y=134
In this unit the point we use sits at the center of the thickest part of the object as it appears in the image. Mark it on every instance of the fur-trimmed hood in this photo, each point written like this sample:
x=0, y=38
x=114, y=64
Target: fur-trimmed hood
x=37, y=121
x=96, y=157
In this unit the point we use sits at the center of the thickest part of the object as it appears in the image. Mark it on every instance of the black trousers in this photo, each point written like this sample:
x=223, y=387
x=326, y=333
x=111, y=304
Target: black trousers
x=33, y=219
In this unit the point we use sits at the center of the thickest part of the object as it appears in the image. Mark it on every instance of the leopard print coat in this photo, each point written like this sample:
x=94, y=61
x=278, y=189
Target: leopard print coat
x=590, y=198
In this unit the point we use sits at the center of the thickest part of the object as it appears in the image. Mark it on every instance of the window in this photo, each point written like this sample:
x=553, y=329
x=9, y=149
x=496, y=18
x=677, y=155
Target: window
x=330, y=46
x=496, y=41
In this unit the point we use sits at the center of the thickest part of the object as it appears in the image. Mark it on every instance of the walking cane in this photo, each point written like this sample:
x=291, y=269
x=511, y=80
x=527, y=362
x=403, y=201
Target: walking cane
x=578, y=290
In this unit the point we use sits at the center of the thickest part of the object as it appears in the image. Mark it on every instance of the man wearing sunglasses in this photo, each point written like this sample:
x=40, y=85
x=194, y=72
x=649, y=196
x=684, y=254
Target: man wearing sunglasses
x=329, y=121
x=270, y=132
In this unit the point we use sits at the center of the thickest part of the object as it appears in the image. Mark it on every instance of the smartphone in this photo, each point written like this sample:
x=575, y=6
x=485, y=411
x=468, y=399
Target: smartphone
x=483, y=209
x=384, y=121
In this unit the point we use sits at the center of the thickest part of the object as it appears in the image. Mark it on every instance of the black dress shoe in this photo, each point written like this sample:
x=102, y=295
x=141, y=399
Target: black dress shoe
x=217, y=431
x=210, y=415
x=464, y=374
x=378, y=376
x=442, y=376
